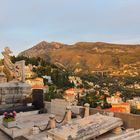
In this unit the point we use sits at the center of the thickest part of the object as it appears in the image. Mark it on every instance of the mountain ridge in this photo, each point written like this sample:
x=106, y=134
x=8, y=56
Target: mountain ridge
x=87, y=56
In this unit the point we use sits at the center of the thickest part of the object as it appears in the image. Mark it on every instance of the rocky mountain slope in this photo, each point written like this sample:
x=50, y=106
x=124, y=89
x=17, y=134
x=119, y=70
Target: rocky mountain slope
x=86, y=56
x=42, y=50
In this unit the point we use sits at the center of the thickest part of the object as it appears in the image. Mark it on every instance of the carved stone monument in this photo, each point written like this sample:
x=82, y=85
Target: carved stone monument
x=13, y=71
x=20, y=66
x=15, y=90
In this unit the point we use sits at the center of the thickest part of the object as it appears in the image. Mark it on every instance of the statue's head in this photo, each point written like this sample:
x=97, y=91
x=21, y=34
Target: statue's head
x=7, y=50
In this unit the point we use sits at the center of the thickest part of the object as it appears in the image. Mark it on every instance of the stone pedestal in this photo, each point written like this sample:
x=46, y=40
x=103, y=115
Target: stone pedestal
x=86, y=106
x=68, y=116
x=117, y=130
x=52, y=122
x=13, y=92
x=35, y=130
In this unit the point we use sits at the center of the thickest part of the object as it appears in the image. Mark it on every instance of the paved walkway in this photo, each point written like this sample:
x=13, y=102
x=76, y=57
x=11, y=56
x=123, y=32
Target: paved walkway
x=3, y=136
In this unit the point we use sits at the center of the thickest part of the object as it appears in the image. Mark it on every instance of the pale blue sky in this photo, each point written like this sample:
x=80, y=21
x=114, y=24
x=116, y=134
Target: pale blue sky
x=24, y=23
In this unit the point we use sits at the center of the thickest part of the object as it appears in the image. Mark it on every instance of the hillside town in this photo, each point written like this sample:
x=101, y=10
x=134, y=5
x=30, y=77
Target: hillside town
x=48, y=93
x=69, y=70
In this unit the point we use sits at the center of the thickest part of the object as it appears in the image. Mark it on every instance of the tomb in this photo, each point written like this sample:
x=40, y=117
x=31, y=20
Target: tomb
x=13, y=88
x=86, y=128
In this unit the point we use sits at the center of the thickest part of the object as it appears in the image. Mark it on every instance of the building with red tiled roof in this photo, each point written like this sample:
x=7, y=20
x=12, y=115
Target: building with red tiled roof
x=35, y=82
x=71, y=93
x=121, y=107
x=44, y=88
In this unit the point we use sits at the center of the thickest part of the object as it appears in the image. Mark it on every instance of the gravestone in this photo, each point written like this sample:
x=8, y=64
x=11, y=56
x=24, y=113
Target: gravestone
x=37, y=95
x=15, y=90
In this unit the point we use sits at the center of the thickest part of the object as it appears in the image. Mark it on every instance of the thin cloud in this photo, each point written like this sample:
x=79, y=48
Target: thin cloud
x=23, y=23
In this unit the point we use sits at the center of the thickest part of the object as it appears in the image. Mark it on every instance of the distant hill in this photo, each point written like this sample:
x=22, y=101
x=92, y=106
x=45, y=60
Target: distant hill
x=42, y=49
x=86, y=56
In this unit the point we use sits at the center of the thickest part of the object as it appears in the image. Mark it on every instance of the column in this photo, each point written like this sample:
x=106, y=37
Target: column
x=117, y=130
x=86, y=106
x=52, y=121
x=68, y=116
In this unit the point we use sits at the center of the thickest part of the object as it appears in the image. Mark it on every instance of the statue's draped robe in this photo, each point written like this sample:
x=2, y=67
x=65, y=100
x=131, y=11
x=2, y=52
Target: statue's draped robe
x=9, y=67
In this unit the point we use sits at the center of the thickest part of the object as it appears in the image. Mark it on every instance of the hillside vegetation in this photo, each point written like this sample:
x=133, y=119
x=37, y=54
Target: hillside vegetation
x=85, y=56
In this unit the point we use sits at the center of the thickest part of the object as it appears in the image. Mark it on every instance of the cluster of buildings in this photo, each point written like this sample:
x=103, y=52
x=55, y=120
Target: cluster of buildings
x=134, y=86
x=76, y=80
x=57, y=123
x=135, y=103
x=127, y=69
x=29, y=72
x=71, y=94
x=117, y=104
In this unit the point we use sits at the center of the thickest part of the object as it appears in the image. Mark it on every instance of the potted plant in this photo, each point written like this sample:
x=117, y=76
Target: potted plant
x=9, y=119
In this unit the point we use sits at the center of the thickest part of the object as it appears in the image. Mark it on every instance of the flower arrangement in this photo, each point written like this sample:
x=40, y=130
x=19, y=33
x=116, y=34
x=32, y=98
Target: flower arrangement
x=9, y=117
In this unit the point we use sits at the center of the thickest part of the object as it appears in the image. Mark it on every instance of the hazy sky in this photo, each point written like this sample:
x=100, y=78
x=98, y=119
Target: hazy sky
x=24, y=23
